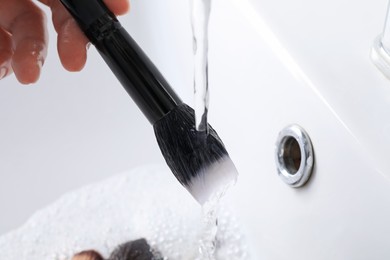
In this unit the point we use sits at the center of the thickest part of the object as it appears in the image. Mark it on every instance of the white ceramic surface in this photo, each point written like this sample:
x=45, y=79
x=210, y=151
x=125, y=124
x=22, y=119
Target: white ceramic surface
x=308, y=63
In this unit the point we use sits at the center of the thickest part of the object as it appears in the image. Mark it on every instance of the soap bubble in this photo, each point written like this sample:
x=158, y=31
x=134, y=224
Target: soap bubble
x=142, y=203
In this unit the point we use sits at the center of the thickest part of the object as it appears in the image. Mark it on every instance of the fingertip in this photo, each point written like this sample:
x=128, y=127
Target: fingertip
x=72, y=46
x=27, y=29
x=28, y=77
x=73, y=64
x=28, y=60
x=28, y=73
x=118, y=7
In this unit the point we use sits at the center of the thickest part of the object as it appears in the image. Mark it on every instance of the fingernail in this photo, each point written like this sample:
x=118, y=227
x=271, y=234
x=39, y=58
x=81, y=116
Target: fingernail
x=88, y=45
x=40, y=63
x=3, y=72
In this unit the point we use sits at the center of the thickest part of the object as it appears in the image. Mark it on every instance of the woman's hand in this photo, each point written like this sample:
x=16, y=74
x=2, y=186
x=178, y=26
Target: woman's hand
x=23, y=37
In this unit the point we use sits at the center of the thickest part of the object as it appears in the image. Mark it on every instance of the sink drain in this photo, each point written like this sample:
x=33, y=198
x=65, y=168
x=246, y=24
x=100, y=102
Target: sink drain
x=294, y=156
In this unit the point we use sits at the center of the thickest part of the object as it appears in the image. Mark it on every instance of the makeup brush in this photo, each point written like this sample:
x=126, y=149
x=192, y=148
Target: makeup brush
x=199, y=160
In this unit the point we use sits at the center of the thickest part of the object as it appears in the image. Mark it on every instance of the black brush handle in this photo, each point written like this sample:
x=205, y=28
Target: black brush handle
x=132, y=67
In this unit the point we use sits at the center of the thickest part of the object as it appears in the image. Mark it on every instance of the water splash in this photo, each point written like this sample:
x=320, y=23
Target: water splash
x=208, y=241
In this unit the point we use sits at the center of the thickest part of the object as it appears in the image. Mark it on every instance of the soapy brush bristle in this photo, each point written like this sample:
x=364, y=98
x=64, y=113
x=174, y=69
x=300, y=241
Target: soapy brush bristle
x=199, y=161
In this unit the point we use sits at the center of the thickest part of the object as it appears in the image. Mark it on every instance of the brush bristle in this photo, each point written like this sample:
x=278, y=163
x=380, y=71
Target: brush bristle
x=137, y=249
x=200, y=162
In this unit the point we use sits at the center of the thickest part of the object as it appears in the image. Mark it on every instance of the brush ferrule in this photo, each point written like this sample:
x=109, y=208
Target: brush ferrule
x=101, y=28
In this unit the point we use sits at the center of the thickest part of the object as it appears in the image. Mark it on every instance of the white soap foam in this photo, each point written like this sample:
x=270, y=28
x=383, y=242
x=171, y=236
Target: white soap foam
x=143, y=203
